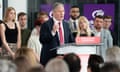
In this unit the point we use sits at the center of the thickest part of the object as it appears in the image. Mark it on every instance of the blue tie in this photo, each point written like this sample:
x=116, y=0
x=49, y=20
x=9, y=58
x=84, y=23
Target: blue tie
x=75, y=27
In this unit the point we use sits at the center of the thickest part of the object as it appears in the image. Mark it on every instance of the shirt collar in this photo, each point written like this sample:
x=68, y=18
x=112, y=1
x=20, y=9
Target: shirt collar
x=73, y=20
x=56, y=21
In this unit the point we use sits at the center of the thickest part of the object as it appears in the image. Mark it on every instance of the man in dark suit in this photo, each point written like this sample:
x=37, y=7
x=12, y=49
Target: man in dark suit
x=73, y=21
x=53, y=33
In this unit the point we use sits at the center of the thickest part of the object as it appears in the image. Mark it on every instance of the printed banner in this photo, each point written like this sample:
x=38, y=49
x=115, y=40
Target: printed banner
x=87, y=40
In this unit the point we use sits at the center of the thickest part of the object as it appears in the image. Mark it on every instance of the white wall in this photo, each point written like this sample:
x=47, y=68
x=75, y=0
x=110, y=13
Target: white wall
x=19, y=5
x=1, y=7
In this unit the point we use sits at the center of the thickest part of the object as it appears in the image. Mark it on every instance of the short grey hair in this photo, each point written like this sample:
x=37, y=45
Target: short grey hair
x=113, y=54
x=57, y=65
x=7, y=66
x=55, y=5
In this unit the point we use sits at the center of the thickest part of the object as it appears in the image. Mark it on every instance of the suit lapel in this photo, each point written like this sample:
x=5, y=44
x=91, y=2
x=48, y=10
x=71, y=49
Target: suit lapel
x=65, y=31
x=51, y=23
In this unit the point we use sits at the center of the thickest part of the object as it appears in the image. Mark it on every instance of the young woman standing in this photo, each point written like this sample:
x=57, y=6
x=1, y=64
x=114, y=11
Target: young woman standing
x=10, y=33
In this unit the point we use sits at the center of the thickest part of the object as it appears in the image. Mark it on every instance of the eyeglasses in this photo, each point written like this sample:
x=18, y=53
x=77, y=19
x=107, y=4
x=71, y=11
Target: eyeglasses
x=108, y=21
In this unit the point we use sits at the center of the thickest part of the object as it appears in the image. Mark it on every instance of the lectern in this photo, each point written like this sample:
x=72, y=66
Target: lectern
x=79, y=49
x=82, y=47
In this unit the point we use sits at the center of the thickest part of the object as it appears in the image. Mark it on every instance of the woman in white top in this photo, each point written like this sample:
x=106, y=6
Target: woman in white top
x=34, y=42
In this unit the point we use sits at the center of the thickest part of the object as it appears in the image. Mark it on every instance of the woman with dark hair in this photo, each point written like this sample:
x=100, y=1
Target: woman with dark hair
x=93, y=63
x=73, y=61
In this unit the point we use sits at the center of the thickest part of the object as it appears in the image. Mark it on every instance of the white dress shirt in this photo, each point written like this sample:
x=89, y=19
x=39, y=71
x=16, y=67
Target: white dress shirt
x=72, y=25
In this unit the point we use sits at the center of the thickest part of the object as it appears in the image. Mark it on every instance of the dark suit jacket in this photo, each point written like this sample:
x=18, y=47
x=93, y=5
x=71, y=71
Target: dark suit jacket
x=49, y=41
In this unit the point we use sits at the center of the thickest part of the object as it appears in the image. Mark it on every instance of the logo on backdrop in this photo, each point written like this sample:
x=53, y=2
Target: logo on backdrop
x=92, y=10
x=97, y=12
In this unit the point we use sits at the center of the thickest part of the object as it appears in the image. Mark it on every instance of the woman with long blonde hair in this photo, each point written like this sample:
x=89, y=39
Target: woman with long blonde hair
x=10, y=33
x=83, y=27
